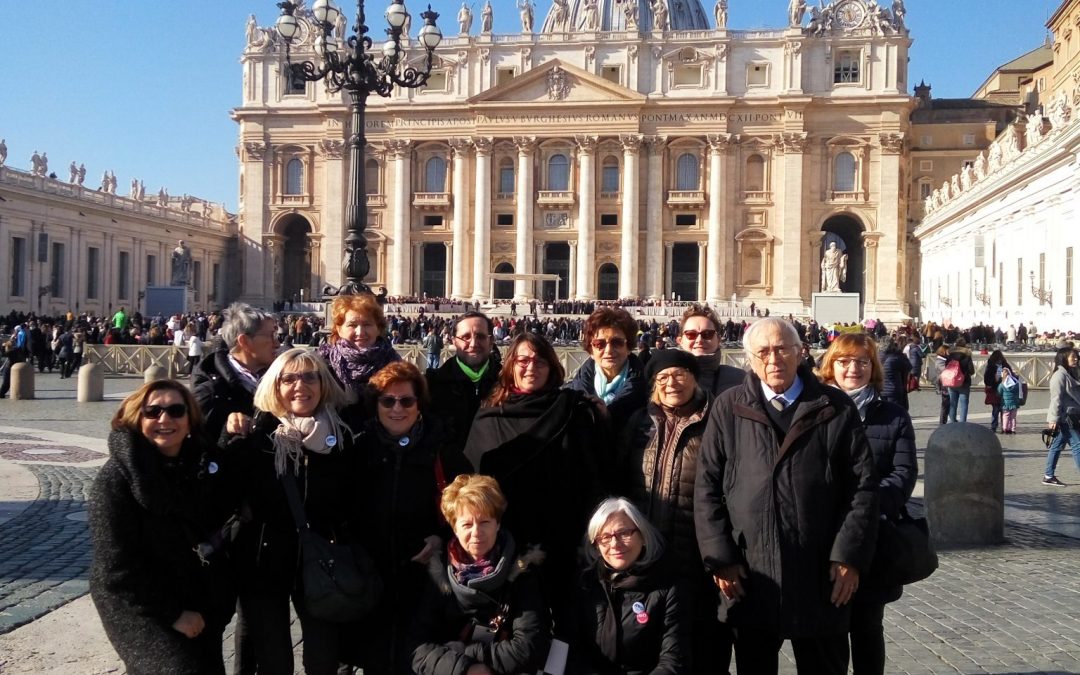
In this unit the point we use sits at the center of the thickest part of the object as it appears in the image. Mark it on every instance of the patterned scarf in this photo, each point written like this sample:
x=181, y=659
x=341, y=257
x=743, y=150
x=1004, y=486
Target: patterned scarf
x=465, y=571
x=296, y=434
x=354, y=365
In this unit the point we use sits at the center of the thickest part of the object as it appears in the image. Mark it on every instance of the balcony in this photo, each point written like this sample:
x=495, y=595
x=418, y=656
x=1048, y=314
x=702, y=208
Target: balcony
x=504, y=197
x=377, y=201
x=757, y=196
x=554, y=199
x=431, y=201
x=847, y=196
x=610, y=196
x=686, y=198
x=294, y=200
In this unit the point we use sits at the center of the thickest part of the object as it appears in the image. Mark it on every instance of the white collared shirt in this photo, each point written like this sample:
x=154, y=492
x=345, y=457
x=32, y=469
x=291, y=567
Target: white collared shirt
x=788, y=397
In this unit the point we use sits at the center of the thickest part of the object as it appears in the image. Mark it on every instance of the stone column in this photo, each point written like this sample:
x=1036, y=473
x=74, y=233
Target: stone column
x=873, y=274
x=482, y=220
x=333, y=211
x=669, y=254
x=586, y=267
x=523, y=218
x=717, y=271
x=256, y=195
x=787, y=273
x=628, y=265
x=891, y=225
x=571, y=276
x=417, y=267
x=451, y=273
x=538, y=267
x=702, y=252
x=400, y=264
x=654, y=219
x=455, y=266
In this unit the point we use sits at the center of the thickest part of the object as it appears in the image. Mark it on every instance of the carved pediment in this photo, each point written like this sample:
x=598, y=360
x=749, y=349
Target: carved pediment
x=556, y=81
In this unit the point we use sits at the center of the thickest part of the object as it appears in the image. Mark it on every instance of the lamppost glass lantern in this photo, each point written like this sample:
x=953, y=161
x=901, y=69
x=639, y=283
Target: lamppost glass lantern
x=395, y=14
x=287, y=25
x=325, y=12
x=430, y=36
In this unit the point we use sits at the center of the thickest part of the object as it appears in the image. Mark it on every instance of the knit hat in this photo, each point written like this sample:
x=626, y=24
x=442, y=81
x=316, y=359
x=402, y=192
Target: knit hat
x=662, y=359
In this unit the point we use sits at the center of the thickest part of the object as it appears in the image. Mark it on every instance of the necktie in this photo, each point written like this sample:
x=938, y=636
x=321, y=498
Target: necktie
x=778, y=403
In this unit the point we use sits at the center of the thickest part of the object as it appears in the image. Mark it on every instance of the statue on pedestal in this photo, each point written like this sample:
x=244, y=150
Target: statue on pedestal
x=486, y=18
x=464, y=18
x=181, y=265
x=525, y=8
x=833, y=269
x=73, y=173
x=560, y=13
x=660, y=15
x=721, y=13
x=590, y=19
x=796, y=12
x=82, y=174
x=3, y=152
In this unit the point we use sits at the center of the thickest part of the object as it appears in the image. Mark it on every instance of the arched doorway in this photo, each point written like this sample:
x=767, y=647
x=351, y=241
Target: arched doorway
x=684, y=271
x=433, y=273
x=296, y=259
x=504, y=288
x=846, y=231
x=607, y=287
x=557, y=261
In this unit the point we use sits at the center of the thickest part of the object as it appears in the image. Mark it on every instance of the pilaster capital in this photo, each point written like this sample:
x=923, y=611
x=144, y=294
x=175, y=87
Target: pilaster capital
x=460, y=147
x=656, y=144
x=891, y=143
x=376, y=151
x=631, y=143
x=793, y=142
x=256, y=150
x=400, y=148
x=871, y=239
x=483, y=144
x=586, y=143
x=721, y=143
x=332, y=148
x=669, y=245
x=702, y=244
x=525, y=144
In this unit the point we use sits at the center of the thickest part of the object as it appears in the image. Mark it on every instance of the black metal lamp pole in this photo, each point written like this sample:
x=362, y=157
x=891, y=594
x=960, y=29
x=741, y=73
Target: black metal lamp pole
x=360, y=72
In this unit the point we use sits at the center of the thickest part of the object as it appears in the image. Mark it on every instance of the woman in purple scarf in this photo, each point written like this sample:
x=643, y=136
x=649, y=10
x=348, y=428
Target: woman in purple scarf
x=357, y=347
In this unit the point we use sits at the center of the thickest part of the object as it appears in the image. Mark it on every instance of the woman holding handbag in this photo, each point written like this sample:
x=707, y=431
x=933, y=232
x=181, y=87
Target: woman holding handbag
x=851, y=364
x=295, y=443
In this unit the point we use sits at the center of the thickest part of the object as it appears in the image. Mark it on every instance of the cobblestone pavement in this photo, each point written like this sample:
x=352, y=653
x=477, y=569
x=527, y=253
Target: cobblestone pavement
x=1013, y=608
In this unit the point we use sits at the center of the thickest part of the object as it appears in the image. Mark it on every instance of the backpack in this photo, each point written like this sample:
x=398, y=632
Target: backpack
x=952, y=376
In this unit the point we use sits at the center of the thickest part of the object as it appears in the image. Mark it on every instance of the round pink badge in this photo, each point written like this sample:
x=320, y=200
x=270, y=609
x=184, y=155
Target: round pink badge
x=642, y=617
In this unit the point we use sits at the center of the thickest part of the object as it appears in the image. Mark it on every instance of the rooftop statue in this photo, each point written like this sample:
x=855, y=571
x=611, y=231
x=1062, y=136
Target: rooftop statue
x=464, y=18
x=720, y=12
x=486, y=17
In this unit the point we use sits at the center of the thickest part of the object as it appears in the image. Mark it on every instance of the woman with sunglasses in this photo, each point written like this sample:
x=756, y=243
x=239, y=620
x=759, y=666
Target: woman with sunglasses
x=613, y=374
x=628, y=615
x=851, y=364
x=405, y=466
x=357, y=347
x=699, y=334
x=164, y=597
x=295, y=435
x=538, y=439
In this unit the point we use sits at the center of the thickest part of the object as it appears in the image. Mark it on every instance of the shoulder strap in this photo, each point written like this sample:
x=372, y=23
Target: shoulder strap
x=295, y=505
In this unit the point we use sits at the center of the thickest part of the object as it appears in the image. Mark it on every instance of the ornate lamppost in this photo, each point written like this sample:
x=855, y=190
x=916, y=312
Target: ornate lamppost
x=356, y=69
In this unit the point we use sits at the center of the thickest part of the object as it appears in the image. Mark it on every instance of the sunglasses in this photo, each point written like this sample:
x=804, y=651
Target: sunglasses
x=307, y=377
x=175, y=411
x=388, y=402
x=616, y=343
x=692, y=335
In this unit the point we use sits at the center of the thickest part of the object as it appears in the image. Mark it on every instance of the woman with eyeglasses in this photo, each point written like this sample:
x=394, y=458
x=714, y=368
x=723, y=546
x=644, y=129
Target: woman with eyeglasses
x=699, y=334
x=357, y=347
x=539, y=440
x=163, y=593
x=628, y=612
x=296, y=435
x=405, y=466
x=612, y=374
x=482, y=611
x=851, y=364
x=657, y=468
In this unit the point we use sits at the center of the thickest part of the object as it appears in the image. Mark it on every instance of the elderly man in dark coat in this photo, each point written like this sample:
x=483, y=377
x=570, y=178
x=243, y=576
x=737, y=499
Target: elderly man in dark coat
x=785, y=508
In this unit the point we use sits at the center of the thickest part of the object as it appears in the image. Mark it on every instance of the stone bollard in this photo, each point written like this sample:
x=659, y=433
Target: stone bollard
x=965, y=486
x=91, y=383
x=22, y=381
x=155, y=373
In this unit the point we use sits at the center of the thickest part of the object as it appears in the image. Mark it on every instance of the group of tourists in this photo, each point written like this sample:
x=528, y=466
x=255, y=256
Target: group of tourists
x=498, y=511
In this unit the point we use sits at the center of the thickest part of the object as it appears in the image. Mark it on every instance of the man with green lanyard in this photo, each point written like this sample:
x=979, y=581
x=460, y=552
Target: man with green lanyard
x=465, y=380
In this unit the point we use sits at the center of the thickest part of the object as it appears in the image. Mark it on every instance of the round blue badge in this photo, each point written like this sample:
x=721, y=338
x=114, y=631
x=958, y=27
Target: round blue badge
x=404, y=441
x=212, y=467
x=331, y=441
x=638, y=608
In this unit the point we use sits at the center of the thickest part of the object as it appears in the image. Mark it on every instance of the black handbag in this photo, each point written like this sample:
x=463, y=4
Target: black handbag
x=904, y=552
x=341, y=583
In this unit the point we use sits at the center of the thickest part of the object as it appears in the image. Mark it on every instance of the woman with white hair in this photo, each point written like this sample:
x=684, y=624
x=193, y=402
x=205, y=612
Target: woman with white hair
x=626, y=616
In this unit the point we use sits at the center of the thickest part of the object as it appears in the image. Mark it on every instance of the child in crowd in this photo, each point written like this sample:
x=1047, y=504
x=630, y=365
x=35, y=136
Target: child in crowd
x=1009, y=391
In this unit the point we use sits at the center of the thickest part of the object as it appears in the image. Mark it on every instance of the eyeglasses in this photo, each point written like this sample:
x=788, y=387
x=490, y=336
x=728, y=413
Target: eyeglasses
x=265, y=335
x=783, y=352
x=388, y=402
x=307, y=377
x=524, y=362
x=861, y=364
x=475, y=337
x=600, y=345
x=692, y=335
x=679, y=375
x=175, y=411
x=623, y=536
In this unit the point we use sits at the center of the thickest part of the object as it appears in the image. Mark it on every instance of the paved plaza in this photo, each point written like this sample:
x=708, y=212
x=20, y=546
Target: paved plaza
x=1013, y=608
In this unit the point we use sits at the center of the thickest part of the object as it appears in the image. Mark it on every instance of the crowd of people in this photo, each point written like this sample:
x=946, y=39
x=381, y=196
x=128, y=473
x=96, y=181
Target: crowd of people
x=655, y=511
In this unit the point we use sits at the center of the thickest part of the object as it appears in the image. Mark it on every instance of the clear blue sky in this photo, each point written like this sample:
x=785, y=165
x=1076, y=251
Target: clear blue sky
x=145, y=88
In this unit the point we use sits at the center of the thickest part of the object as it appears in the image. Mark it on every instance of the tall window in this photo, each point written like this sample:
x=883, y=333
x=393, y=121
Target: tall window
x=506, y=176
x=925, y=189
x=58, y=275
x=93, y=260
x=755, y=173
x=980, y=251
x=294, y=177
x=435, y=175
x=844, y=172
x=1019, y=281
x=196, y=278
x=1042, y=273
x=609, y=175
x=1068, y=275
x=558, y=173
x=123, y=275
x=18, y=266
x=1001, y=283
x=846, y=68
x=687, y=176
x=151, y=270
x=215, y=281
x=371, y=177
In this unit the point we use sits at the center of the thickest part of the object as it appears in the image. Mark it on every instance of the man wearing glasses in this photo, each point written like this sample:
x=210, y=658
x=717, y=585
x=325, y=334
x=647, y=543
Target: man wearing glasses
x=459, y=385
x=785, y=508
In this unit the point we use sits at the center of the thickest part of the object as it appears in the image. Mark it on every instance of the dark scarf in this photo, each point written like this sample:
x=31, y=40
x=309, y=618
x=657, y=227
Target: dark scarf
x=513, y=428
x=465, y=569
x=355, y=366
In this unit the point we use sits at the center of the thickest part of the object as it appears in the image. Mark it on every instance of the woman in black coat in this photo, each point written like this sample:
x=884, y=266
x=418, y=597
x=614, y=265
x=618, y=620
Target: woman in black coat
x=483, y=611
x=628, y=617
x=159, y=579
x=613, y=373
x=296, y=435
x=535, y=438
x=851, y=364
x=895, y=370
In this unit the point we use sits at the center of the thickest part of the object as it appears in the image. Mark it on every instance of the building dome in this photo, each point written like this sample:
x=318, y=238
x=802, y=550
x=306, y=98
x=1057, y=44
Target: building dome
x=613, y=15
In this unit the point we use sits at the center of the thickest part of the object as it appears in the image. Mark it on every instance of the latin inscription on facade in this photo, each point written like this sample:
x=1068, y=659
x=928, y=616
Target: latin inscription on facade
x=735, y=117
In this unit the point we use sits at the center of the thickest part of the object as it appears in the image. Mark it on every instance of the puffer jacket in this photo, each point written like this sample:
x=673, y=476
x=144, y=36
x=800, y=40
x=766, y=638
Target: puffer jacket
x=453, y=628
x=786, y=510
x=631, y=623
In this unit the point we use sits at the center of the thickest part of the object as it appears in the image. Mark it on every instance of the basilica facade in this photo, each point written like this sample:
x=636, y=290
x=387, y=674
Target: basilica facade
x=617, y=153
